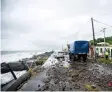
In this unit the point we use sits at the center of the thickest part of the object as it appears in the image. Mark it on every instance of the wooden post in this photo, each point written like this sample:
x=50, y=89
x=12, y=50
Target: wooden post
x=11, y=71
x=93, y=38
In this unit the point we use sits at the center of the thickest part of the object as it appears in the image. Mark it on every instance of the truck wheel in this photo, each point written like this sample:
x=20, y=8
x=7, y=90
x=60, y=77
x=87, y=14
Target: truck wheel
x=84, y=58
x=75, y=58
x=79, y=56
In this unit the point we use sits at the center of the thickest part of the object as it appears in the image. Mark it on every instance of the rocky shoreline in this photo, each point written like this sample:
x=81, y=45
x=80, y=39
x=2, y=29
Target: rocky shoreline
x=21, y=64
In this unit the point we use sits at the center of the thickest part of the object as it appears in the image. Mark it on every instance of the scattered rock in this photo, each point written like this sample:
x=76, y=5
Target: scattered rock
x=74, y=78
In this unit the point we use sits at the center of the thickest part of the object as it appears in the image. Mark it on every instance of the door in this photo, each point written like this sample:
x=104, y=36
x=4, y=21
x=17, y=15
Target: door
x=111, y=52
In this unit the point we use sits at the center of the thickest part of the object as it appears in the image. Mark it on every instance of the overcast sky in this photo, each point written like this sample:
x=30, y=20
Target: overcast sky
x=45, y=25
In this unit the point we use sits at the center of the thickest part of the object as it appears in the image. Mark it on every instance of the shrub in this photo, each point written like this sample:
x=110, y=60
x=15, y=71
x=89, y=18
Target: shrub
x=103, y=60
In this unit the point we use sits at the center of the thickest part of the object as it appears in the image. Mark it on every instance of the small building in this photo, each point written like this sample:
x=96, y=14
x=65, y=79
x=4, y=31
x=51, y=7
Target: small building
x=102, y=47
x=101, y=50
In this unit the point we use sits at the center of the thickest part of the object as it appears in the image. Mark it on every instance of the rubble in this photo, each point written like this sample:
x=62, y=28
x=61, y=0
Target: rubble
x=75, y=76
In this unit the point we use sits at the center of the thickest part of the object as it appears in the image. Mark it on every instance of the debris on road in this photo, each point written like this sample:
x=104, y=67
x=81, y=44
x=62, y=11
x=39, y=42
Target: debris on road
x=77, y=76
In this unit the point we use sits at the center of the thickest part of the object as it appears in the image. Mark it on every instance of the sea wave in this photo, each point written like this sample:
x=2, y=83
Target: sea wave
x=16, y=56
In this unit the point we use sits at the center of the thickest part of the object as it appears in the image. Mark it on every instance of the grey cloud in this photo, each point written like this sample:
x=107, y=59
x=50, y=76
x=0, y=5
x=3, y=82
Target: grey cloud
x=8, y=5
x=47, y=45
x=43, y=24
x=13, y=27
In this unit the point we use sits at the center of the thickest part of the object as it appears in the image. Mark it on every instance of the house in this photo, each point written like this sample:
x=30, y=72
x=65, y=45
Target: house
x=101, y=48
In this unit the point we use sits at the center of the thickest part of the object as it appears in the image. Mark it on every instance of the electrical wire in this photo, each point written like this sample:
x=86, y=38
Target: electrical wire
x=102, y=23
x=78, y=31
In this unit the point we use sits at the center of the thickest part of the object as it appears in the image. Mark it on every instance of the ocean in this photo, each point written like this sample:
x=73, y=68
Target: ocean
x=14, y=56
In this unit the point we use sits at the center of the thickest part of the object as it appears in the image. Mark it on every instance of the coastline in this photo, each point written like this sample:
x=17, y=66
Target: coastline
x=18, y=66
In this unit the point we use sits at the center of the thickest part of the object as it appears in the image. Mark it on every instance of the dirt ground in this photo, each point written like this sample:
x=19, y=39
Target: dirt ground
x=78, y=76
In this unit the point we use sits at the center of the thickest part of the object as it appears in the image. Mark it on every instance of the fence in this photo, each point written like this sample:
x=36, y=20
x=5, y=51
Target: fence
x=16, y=66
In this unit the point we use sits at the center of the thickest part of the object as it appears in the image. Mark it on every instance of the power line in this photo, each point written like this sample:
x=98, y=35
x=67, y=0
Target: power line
x=102, y=23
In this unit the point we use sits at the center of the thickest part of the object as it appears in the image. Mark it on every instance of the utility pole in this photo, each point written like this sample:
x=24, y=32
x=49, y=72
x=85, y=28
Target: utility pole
x=93, y=38
x=62, y=47
x=104, y=35
x=104, y=39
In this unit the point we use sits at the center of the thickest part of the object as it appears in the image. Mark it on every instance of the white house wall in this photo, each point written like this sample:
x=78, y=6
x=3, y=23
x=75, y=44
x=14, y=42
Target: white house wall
x=99, y=49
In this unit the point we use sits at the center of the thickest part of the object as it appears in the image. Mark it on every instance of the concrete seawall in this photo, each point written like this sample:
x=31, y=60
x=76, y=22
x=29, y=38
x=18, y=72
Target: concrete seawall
x=15, y=84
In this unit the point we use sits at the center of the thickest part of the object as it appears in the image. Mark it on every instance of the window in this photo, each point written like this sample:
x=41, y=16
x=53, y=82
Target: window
x=100, y=50
x=111, y=52
x=97, y=50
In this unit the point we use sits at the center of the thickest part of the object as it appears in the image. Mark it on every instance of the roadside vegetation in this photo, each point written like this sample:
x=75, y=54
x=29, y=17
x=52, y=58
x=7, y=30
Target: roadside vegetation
x=91, y=87
x=103, y=60
x=98, y=40
x=41, y=60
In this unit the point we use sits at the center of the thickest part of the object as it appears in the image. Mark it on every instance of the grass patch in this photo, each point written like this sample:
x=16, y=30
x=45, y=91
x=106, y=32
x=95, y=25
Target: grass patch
x=90, y=88
x=103, y=60
x=41, y=60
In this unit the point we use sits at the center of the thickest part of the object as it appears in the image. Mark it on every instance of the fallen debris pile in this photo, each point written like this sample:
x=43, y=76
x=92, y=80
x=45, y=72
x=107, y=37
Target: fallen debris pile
x=59, y=75
x=77, y=78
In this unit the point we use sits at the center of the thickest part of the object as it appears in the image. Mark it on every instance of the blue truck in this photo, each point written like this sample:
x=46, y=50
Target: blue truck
x=78, y=49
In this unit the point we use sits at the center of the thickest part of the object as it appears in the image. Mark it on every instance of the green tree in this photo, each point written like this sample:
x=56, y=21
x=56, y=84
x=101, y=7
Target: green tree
x=98, y=40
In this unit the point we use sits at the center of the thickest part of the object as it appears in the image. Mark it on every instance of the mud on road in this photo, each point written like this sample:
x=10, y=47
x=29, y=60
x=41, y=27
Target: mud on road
x=77, y=76
x=73, y=78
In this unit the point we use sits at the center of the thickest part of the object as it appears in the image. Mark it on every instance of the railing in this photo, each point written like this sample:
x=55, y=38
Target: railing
x=17, y=66
x=11, y=67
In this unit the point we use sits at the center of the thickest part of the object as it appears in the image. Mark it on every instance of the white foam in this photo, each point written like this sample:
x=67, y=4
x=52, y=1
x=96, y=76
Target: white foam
x=6, y=77
x=16, y=56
